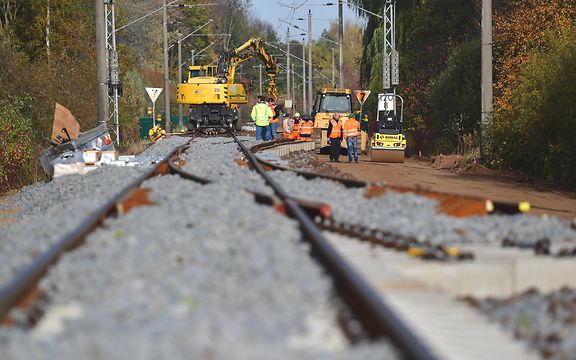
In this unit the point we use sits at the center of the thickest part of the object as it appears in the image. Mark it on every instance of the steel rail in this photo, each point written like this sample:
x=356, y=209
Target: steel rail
x=23, y=284
x=378, y=319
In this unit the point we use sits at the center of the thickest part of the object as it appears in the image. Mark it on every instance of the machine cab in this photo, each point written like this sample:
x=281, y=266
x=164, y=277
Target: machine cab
x=198, y=71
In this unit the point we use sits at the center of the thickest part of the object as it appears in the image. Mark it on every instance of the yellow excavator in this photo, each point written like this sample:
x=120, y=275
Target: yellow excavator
x=212, y=94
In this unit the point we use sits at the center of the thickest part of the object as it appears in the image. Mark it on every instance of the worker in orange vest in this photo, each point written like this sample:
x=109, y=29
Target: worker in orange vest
x=275, y=121
x=351, y=134
x=306, y=128
x=335, y=137
x=296, y=123
x=287, y=128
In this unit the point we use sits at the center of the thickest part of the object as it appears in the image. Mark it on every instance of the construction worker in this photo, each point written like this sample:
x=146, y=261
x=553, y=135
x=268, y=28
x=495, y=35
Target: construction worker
x=335, y=137
x=306, y=128
x=287, y=128
x=296, y=123
x=365, y=129
x=275, y=121
x=261, y=114
x=351, y=134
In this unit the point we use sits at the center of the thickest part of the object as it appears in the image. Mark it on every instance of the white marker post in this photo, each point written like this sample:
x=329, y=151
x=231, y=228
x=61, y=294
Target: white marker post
x=154, y=93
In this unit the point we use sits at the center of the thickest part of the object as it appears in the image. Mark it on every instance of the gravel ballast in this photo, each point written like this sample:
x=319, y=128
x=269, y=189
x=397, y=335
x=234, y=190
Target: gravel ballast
x=49, y=210
x=220, y=166
x=416, y=217
x=204, y=273
x=545, y=321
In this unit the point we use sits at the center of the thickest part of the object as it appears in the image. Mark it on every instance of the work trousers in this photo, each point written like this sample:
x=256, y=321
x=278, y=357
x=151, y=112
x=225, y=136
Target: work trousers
x=262, y=132
x=274, y=130
x=352, y=143
x=335, y=149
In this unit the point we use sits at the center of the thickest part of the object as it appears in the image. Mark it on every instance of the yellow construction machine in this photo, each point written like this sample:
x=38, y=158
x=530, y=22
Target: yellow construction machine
x=388, y=143
x=327, y=102
x=213, y=95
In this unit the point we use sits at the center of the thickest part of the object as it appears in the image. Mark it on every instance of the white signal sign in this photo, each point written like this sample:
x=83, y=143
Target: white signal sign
x=153, y=93
x=362, y=95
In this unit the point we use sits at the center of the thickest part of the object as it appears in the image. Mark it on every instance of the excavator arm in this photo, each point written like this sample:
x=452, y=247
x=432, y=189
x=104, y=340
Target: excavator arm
x=248, y=50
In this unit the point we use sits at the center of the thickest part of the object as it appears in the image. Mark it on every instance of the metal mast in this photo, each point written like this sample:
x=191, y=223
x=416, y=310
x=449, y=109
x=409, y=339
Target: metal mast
x=487, y=91
x=180, y=115
x=166, y=67
x=101, y=65
x=304, y=105
x=310, y=86
x=288, y=69
x=114, y=84
x=390, y=58
x=340, y=44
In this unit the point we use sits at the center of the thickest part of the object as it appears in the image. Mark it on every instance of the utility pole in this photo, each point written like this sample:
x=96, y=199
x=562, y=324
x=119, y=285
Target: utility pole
x=293, y=90
x=310, y=87
x=192, y=57
x=180, y=122
x=114, y=84
x=333, y=68
x=101, y=66
x=166, y=75
x=48, y=29
x=304, y=106
x=487, y=91
x=288, y=93
x=260, y=77
x=390, y=58
x=341, y=44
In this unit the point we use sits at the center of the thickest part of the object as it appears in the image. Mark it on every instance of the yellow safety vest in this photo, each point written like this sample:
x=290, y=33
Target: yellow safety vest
x=261, y=114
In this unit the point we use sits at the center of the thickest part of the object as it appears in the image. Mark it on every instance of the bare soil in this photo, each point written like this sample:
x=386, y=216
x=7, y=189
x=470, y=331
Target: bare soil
x=468, y=179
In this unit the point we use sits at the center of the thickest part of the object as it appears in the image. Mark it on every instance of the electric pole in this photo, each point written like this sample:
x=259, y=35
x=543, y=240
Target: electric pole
x=487, y=91
x=341, y=44
x=390, y=58
x=192, y=57
x=101, y=66
x=293, y=90
x=310, y=91
x=180, y=122
x=333, y=69
x=288, y=93
x=304, y=106
x=260, y=77
x=166, y=75
x=114, y=84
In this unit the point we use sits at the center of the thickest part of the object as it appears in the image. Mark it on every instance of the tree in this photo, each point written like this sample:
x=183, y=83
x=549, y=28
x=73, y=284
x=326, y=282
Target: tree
x=536, y=132
x=519, y=28
x=454, y=98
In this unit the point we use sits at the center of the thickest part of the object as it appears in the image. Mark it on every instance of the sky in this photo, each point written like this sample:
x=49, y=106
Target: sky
x=274, y=10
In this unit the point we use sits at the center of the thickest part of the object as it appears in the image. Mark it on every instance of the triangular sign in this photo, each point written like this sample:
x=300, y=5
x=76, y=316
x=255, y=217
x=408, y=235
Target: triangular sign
x=362, y=95
x=153, y=93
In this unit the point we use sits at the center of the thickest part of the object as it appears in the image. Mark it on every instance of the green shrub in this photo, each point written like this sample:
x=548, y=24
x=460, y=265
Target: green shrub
x=16, y=142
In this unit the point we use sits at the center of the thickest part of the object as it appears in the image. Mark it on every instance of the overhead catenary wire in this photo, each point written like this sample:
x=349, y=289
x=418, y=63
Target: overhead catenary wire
x=299, y=58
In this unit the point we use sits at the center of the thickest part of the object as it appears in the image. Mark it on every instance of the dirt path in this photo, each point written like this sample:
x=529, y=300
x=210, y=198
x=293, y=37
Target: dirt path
x=413, y=173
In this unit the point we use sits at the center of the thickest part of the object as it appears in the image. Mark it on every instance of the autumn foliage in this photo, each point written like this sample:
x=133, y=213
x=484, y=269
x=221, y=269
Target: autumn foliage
x=520, y=28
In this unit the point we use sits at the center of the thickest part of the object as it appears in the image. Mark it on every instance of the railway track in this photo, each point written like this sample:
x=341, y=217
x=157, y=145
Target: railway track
x=315, y=221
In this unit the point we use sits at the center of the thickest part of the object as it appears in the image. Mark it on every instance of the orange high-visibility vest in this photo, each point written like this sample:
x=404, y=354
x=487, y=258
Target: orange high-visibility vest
x=296, y=129
x=351, y=128
x=336, y=130
x=272, y=121
x=307, y=128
